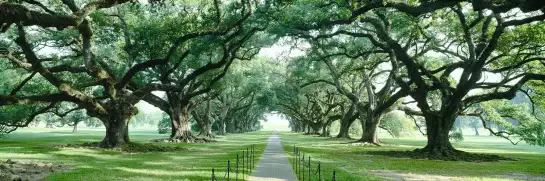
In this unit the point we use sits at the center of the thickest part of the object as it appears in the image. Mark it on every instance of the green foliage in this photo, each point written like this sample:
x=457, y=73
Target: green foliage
x=355, y=128
x=396, y=123
x=164, y=126
x=456, y=136
x=527, y=127
x=93, y=122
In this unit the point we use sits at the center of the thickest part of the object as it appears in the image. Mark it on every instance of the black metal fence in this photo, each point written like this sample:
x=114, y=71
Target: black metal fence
x=243, y=166
x=302, y=166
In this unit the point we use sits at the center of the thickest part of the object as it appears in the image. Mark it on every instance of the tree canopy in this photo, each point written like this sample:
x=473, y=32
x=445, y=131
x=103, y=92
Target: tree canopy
x=201, y=64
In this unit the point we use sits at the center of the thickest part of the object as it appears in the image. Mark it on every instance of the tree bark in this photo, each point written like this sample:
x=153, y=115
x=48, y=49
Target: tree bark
x=206, y=131
x=301, y=128
x=75, y=128
x=117, y=123
x=343, y=131
x=117, y=131
x=437, y=131
x=221, y=127
x=370, y=127
x=325, y=132
x=346, y=122
x=476, y=131
x=181, y=125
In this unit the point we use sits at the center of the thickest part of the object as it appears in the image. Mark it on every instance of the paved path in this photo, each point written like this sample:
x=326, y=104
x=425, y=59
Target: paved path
x=274, y=165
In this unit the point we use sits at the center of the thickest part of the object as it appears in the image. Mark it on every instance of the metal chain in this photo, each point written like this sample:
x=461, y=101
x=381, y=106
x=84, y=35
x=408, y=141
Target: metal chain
x=300, y=157
x=249, y=160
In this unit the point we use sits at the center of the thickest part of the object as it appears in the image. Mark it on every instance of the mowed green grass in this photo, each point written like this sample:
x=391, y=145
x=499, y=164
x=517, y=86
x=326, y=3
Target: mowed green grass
x=194, y=164
x=352, y=163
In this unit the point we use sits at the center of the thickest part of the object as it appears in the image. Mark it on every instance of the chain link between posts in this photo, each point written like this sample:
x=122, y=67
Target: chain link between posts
x=301, y=165
x=244, y=165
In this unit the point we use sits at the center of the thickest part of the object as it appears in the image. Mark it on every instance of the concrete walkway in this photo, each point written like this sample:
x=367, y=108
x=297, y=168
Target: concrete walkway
x=274, y=165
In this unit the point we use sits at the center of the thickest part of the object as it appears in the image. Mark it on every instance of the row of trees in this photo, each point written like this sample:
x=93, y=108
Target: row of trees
x=362, y=59
x=437, y=60
x=103, y=57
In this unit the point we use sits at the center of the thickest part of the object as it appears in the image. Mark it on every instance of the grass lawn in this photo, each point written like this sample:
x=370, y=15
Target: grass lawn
x=352, y=163
x=194, y=164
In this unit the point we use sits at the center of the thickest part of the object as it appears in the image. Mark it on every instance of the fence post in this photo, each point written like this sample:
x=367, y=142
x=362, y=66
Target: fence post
x=248, y=161
x=334, y=177
x=237, y=169
x=295, y=159
x=298, y=163
x=309, y=169
x=252, y=158
x=213, y=176
x=303, y=166
x=319, y=171
x=243, y=170
x=228, y=169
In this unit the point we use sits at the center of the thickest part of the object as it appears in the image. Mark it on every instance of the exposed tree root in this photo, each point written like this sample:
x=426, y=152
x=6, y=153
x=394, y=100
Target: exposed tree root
x=362, y=143
x=206, y=136
x=191, y=139
x=444, y=154
x=342, y=139
x=125, y=148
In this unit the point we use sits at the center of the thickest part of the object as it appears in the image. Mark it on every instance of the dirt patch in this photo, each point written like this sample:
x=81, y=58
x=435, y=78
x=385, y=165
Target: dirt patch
x=130, y=148
x=452, y=156
x=393, y=175
x=31, y=171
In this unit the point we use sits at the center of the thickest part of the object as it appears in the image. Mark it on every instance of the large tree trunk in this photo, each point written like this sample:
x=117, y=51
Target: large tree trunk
x=370, y=127
x=204, y=123
x=345, y=128
x=221, y=127
x=325, y=132
x=117, y=131
x=302, y=127
x=206, y=130
x=316, y=129
x=181, y=126
x=437, y=131
x=346, y=122
x=117, y=123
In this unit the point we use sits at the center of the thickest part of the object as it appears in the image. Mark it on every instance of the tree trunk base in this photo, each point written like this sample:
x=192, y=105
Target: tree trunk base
x=364, y=143
x=341, y=139
x=325, y=135
x=445, y=154
x=189, y=139
x=343, y=136
x=105, y=144
x=206, y=136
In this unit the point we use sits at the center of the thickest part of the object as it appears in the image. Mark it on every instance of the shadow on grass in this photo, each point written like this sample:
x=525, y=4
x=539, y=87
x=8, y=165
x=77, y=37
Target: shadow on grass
x=354, y=162
x=195, y=163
